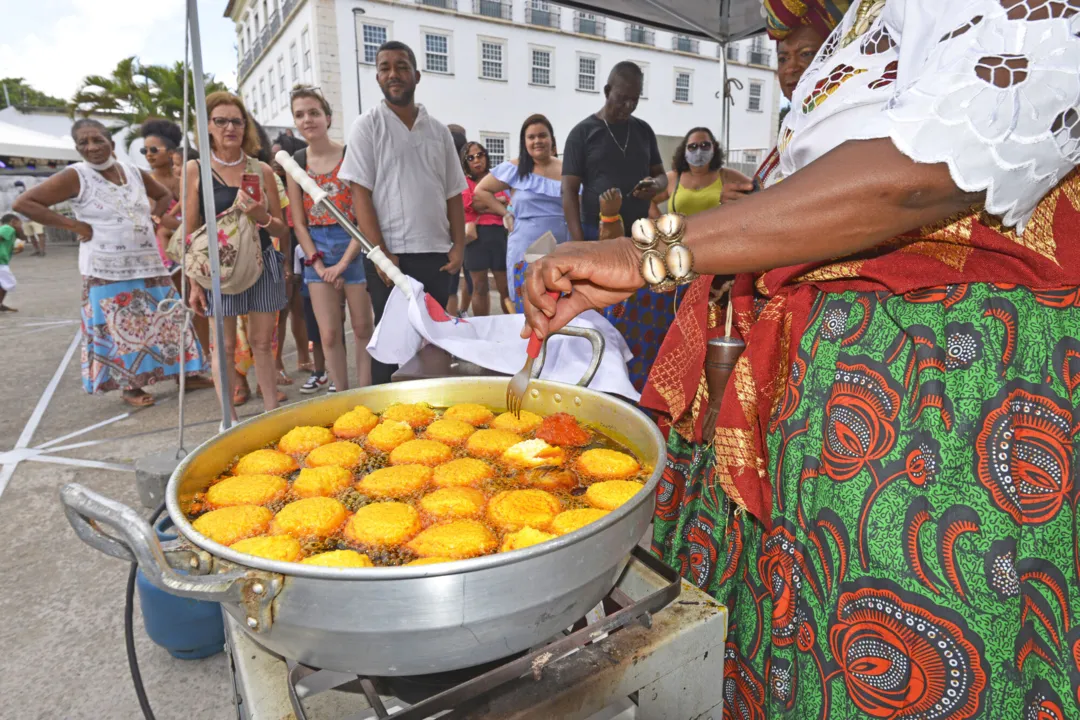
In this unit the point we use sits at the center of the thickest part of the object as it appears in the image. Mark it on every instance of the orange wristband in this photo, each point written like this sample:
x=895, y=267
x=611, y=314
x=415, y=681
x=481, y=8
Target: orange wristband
x=613, y=218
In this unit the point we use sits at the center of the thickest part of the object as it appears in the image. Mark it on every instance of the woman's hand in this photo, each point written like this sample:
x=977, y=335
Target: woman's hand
x=197, y=299
x=82, y=230
x=255, y=210
x=333, y=275
x=508, y=222
x=590, y=275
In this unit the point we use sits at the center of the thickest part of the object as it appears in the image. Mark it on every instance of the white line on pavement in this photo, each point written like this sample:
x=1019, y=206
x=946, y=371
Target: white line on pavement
x=95, y=426
x=78, y=462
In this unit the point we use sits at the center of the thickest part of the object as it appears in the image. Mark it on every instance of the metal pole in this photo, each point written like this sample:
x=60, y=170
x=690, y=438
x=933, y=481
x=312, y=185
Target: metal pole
x=206, y=185
x=186, y=328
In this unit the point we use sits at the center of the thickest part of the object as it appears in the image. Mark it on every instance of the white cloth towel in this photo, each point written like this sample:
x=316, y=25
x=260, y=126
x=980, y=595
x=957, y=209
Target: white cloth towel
x=494, y=342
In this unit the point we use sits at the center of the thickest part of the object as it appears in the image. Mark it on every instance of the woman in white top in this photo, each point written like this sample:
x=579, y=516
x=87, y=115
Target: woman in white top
x=127, y=343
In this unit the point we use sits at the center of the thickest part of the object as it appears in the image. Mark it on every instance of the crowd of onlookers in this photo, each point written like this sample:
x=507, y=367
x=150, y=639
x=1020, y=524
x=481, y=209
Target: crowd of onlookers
x=420, y=190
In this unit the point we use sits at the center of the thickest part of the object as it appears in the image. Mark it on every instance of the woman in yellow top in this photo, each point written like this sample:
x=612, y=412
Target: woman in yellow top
x=696, y=181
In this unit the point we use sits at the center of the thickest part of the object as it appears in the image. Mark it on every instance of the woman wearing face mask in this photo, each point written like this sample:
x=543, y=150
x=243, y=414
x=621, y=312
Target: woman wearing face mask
x=127, y=343
x=328, y=274
x=697, y=182
x=536, y=179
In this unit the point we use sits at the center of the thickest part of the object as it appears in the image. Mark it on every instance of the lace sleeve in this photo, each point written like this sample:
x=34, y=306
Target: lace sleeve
x=991, y=87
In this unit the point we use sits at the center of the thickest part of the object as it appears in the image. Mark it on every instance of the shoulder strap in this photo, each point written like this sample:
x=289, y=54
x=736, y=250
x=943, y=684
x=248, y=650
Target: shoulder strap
x=671, y=202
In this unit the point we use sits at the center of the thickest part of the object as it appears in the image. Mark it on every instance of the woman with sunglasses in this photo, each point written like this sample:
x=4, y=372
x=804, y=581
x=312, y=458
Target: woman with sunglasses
x=234, y=147
x=484, y=233
x=696, y=181
x=328, y=275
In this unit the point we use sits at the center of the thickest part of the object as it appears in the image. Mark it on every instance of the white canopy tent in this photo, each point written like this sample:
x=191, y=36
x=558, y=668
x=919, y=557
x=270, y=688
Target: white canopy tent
x=21, y=142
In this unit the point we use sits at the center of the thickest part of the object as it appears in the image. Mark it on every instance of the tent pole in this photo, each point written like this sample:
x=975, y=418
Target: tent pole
x=206, y=185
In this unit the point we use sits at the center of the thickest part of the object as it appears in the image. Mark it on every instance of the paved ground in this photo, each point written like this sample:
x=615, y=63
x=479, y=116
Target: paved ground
x=62, y=602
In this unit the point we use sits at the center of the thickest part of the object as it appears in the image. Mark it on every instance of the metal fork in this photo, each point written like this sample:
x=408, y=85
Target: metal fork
x=515, y=391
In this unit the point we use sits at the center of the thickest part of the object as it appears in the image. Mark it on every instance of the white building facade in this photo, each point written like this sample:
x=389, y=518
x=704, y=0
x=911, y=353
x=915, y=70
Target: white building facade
x=488, y=64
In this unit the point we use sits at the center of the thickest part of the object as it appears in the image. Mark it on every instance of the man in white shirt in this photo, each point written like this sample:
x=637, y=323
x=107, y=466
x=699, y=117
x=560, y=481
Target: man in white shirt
x=406, y=184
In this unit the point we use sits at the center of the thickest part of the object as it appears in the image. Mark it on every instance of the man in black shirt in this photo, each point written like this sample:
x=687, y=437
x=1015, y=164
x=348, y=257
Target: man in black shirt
x=611, y=149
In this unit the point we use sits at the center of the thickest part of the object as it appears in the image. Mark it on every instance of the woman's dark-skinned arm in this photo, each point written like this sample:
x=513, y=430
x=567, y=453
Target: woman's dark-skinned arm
x=854, y=197
x=36, y=202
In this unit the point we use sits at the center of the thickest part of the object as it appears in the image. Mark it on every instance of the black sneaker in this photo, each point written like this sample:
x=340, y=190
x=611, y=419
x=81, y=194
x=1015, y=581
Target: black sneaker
x=331, y=389
x=314, y=384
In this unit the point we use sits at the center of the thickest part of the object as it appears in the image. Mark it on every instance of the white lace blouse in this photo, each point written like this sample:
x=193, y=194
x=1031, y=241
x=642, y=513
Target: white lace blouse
x=123, y=246
x=990, y=87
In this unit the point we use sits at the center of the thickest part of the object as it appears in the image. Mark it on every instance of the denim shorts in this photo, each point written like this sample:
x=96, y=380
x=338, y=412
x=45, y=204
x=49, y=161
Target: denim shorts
x=332, y=241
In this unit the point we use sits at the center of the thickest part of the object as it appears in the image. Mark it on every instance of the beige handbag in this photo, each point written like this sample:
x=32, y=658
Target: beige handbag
x=239, y=249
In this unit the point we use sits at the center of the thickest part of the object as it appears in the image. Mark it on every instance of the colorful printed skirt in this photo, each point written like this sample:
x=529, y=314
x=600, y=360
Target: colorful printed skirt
x=127, y=343
x=922, y=561
x=643, y=320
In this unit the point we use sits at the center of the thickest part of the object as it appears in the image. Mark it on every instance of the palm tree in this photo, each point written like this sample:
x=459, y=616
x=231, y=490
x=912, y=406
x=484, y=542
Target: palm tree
x=134, y=92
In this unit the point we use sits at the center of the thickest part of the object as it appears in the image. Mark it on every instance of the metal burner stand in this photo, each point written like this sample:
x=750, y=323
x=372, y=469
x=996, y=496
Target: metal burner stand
x=665, y=654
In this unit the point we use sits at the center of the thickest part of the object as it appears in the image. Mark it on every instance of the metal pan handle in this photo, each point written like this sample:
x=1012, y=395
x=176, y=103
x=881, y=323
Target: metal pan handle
x=595, y=338
x=135, y=541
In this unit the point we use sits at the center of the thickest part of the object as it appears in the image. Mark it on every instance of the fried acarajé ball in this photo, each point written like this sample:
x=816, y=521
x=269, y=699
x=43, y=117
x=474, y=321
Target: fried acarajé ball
x=515, y=509
x=455, y=539
x=520, y=425
x=341, y=453
x=610, y=494
x=247, y=490
x=453, y=502
x=491, y=443
x=534, y=453
x=324, y=481
x=272, y=547
x=465, y=472
x=551, y=479
x=304, y=438
x=471, y=413
x=417, y=415
x=339, y=559
x=231, y=524
x=266, y=462
x=421, y=452
x=563, y=429
x=524, y=538
x=356, y=423
x=311, y=517
x=449, y=431
x=389, y=434
x=383, y=524
x=571, y=520
x=604, y=464
x=396, y=481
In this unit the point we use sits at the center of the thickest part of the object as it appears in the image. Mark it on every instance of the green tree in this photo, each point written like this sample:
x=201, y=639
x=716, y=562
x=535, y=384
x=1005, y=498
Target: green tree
x=20, y=94
x=134, y=92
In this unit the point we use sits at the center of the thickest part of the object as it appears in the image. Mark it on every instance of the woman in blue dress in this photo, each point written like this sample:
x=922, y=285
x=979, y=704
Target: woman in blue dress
x=535, y=178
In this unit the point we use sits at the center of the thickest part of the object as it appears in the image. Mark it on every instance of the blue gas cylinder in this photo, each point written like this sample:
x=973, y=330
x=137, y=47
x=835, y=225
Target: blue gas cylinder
x=188, y=629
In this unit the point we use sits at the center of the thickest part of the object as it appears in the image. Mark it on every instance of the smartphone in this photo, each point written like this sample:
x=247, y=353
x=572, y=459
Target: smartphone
x=249, y=183
x=644, y=184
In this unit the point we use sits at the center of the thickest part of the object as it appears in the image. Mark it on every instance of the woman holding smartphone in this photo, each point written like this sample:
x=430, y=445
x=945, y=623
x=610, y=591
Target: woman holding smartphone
x=240, y=178
x=327, y=274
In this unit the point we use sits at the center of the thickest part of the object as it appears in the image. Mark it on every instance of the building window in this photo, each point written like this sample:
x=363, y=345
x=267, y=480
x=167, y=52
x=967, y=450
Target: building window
x=491, y=59
x=541, y=67
x=436, y=53
x=243, y=47
x=496, y=147
x=682, y=86
x=295, y=63
x=273, y=92
x=247, y=29
x=587, y=72
x=754, y=104
x=305, y=46
x=262, y=94
x=750, y=157
x=374, y=36
x=281, y=77
x=733, y=52
x=256, y=16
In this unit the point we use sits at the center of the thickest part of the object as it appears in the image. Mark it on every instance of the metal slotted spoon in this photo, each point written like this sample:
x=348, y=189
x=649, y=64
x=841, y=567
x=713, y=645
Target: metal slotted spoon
x=515, y=391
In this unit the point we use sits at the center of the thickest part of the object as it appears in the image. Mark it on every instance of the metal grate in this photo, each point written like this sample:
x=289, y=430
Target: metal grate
x=589, y=24
x=542, y=13
x=640, y=35
x=492, y=9
x=444, y=4
x=685, y=44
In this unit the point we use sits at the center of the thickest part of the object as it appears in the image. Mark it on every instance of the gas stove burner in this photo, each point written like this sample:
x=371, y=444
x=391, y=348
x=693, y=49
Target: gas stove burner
x=429, y=695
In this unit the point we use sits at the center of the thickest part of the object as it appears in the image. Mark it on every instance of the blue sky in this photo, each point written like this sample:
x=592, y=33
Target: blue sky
x=54, y=44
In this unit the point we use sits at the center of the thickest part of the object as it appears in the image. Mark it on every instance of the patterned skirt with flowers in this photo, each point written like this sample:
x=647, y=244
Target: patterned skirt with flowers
x=127, y=343
x=922, y=560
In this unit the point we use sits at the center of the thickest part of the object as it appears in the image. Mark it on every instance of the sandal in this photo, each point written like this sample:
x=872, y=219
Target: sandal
x=196, y=382
x=241, y=394
x=138, y=398
x=5, y=308
x=281, y=396
x=306, y=367
x=283, y=378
